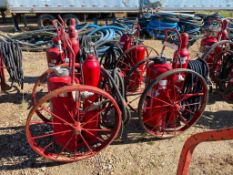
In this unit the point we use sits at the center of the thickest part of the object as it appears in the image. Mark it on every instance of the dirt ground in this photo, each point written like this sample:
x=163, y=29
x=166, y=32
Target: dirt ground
x=136, y=153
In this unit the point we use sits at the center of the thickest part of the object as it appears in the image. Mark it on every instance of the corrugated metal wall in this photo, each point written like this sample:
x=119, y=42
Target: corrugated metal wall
x=73, y=5
x=195, y=4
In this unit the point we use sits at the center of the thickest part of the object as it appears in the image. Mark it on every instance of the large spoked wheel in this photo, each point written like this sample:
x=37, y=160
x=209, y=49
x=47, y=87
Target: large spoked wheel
x=224, y=76
x=173, y=102
x=127, y=61
x=83, y=120
x=135, y=83
x=218, y=66
x=217, y=51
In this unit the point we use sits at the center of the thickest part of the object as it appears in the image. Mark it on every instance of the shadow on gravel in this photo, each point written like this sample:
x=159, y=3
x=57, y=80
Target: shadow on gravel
x=19, y=98
x=30, y=80
x=214, y=97
x=15, y=153
x=134, y=133
x=216, y=120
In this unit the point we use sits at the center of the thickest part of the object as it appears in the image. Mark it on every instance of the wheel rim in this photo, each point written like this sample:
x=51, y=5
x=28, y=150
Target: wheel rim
x=177, y=107
x=135, y=83
x=82, y=133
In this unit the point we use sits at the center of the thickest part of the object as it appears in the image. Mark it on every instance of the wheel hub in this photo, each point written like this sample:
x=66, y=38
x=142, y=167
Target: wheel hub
x=77, y=128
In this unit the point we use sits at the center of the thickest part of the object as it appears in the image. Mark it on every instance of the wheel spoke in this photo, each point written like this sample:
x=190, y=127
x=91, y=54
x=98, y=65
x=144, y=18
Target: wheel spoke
x=52, y=134
x=47, y=146
x=187, y=96
x=94, y=116
x=98, y=130
x=64, y=147
x=65, y=106
x=86, y=143
x=98, y=138
x=59, y=118
x=77, y=107
x=155, y=98
x=50, y=123
x=183, y=118
x=189, y=111
x=157, y=113
x=192, y=104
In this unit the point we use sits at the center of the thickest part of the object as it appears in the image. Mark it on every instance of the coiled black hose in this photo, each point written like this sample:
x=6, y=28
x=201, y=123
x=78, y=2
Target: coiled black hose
x=12, y=57
x=200, y=66
x=110, y=58
x=193, y=85
x=117, y=87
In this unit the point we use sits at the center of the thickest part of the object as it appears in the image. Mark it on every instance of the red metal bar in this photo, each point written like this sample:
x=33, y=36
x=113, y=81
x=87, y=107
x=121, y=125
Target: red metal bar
x=2, y=75
x=194, y=140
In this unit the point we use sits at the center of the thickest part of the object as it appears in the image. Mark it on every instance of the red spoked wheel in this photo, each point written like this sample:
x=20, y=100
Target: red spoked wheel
x=130, y=58
x=135, y=83
x=173, y=102
x=214, y=57
x=224, y=77
x=218, y=64
x=83, y=121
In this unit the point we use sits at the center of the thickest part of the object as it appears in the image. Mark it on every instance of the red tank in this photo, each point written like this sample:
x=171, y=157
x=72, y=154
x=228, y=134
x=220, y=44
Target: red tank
x=125, y=42
x=155, y=69
x=55, y=54
x=207, y=42
x=139, y=54
x=223, y=34
x=181, y=56
x=60, y=106
x=91, y=71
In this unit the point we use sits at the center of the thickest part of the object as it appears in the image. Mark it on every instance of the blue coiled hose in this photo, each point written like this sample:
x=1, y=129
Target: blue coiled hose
x=107, y=34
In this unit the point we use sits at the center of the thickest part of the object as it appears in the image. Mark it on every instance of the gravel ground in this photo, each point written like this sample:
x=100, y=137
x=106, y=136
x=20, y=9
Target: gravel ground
x=136, y=153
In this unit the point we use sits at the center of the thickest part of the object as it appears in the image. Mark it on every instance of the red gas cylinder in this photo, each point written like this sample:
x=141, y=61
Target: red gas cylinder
x=125, y=42
x=207, y=42
x=91, y=73
x=155, y=69
x=61, y=106
x=181, y=56
x=55, y=54
x=223, y=34
x=91, y=70
x=73, y=35
x=138, y=55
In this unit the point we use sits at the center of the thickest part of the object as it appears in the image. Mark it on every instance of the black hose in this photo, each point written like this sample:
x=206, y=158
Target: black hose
x=110, y=58
x=116, y=91
x=12, y=57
